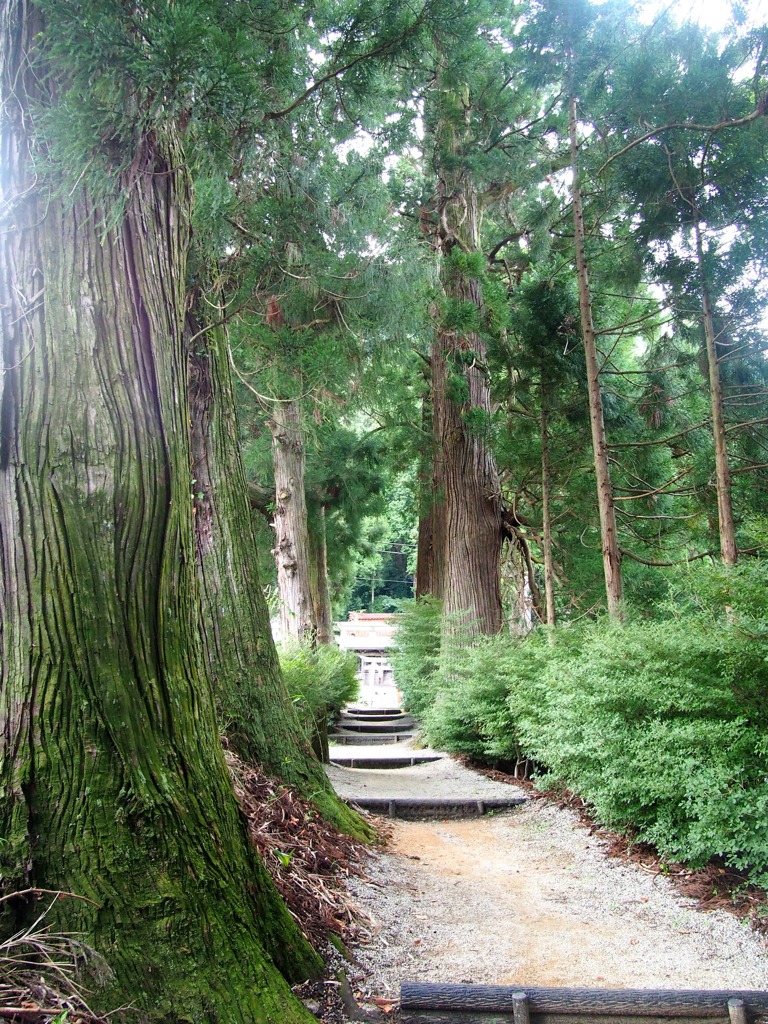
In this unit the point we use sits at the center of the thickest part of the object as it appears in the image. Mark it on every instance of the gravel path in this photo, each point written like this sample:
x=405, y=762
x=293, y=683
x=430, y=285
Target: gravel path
x=528, y=897
x=434, y=780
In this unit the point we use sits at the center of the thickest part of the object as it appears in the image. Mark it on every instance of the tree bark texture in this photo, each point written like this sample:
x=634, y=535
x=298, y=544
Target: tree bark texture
x=464, y=464
x=319, y=585
x=254, y=708
x=727, y=528
x=471, y=553
x=291, y=549
x=112, y=781
x=606, y=507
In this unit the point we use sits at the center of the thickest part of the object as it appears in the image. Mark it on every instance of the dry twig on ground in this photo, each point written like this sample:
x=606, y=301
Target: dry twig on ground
x=307, y=857
x=38, y=972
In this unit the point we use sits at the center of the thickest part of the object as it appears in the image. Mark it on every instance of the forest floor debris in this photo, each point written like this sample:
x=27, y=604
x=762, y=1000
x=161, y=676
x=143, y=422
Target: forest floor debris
x=308, y=859
x=41, y=970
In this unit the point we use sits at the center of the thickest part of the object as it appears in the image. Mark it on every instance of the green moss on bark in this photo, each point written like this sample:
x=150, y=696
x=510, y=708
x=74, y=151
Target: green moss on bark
x=112, y=780
x=255, y=712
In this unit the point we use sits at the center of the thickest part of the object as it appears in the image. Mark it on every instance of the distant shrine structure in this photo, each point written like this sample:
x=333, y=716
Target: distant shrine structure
x=370, y=635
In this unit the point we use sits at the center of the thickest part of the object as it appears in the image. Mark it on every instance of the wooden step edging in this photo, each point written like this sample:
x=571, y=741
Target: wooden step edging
x=368, y=739
x=422, y=1003
x=415, y=808
x=344, y=760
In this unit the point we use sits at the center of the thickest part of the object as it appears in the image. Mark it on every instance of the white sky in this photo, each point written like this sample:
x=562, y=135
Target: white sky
x=715, y=14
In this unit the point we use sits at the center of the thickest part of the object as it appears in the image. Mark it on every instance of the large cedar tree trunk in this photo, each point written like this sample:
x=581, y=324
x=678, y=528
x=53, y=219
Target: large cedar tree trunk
x=465, y=468
x=254, y=709
x=112, y=781
x=606, y=507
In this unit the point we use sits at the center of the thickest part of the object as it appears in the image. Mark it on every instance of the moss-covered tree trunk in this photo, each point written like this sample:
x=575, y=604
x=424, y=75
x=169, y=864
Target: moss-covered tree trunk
x=112, y=781
x=255, y=711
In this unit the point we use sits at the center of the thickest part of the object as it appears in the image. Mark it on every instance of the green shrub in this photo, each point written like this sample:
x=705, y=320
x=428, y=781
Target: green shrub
x=470, y=713
x=320, y=680
x=660, y=725
x=416, y=652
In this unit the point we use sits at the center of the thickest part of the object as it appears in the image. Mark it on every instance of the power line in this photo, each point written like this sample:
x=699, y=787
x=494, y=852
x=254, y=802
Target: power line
x=367, y=579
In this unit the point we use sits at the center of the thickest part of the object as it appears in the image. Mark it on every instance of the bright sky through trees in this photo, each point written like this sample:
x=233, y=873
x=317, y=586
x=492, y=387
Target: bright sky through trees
x=715, y=14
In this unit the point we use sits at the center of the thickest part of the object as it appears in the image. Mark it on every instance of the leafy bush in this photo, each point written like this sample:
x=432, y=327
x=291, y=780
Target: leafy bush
x=470, y=713
x=660, y=725
x=320, y=681
x=416, y=651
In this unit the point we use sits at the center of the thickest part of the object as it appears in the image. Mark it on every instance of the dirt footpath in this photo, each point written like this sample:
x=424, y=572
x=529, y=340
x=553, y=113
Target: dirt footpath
x=530, y=897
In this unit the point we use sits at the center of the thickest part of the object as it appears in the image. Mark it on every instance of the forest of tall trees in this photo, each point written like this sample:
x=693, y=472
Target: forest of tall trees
x=307, y=300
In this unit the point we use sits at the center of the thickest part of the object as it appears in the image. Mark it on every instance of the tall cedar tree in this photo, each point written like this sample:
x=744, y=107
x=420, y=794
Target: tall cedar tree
x=112, y=782
x=469, y=97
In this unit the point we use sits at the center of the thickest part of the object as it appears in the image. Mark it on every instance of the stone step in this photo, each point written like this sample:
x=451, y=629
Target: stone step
x=368, y=738
x=357, y=760
x=414, y=808
x=373, y=712
x=354, y=725
x=365, y=716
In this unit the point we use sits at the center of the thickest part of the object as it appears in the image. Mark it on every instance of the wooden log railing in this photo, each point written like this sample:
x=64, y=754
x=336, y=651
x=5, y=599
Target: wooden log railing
x=422, y=1003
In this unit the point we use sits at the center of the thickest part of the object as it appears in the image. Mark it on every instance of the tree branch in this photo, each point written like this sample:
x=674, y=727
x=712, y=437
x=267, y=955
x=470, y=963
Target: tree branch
x=378, y=51
x=734, y=122
x=662, y=440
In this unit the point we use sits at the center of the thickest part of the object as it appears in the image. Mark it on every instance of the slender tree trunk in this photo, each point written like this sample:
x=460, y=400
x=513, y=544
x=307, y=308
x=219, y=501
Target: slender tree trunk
x=608, y=531
x=546, y=542
x=517, y=594
x=728, y=550
x=430, y=547
x=321, y=610
x=112, y=781
x=320, y=587
x=290, y=524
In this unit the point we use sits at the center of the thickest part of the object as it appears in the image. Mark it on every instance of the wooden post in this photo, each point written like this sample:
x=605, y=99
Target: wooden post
x=737, y=1011
x=520, y=1008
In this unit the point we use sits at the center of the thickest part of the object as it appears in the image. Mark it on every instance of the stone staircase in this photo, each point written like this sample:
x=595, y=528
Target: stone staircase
x=373, y=738
x=360, y=733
